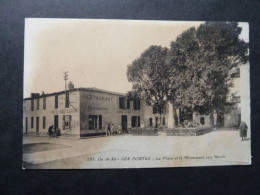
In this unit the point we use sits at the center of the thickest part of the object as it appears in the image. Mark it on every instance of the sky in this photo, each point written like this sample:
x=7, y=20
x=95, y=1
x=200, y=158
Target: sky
x=95, y=53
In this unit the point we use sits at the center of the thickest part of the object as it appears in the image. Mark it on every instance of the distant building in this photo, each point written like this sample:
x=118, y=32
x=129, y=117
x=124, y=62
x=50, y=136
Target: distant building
x=230, y=117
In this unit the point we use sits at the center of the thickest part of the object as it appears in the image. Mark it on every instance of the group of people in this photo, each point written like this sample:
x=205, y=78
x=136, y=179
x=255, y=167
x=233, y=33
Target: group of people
x=109, y=129
x=54, y=131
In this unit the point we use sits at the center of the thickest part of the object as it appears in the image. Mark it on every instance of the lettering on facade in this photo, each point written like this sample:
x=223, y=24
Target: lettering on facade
x=63, y=111
x=96, y=108
x=97, y=97
x=123, y=112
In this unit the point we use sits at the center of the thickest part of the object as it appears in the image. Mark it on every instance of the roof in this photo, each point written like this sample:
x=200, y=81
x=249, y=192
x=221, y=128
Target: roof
x=92, y=89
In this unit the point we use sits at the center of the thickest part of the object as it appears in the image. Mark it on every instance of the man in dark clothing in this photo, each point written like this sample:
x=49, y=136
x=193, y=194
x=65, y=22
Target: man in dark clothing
x=50, y=130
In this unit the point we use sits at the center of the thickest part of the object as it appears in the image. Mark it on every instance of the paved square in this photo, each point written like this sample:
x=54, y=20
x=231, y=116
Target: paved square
x=216, y=148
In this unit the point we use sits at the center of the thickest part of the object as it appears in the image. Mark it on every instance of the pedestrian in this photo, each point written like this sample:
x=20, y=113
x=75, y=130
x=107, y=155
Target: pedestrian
x=54, y=131
x=243, y=130
x=142, y=125
x=119, y=129
x=109, y=129
x=129, y=128
x=112, y=129
x=106, y=129
x=50, y=130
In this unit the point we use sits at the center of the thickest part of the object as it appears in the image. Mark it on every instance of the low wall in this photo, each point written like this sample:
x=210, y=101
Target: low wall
x=146, y=132
x=189, y=131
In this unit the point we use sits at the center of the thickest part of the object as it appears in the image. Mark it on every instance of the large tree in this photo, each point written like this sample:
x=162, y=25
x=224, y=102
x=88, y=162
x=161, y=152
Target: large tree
x=208, y=59
x=150, y=77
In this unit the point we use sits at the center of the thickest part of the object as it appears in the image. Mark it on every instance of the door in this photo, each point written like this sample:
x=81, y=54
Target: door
x=56, y=121
x=26, y=125
x=100, y=121
x=156, y=122
x=93, y=122
x=220, y=120
x=37, y=125
x=202, y=121
x=124, y=123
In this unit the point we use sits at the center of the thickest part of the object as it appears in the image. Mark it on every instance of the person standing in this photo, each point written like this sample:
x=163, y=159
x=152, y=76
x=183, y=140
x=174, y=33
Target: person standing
x=243, y=130
x=129, y=128
x=106, y=129
x=50, y=130
x=109, y=129
x=119, y=129
x=142, y=125
x=112, y=129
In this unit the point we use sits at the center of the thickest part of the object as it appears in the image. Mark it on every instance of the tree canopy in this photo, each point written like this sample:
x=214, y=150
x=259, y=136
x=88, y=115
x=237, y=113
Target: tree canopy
x=149, y=75
x=210, y=57
x=196, y=73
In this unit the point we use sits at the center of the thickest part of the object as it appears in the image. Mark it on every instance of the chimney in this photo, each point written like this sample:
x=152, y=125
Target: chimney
x=35, y=95
x=71, y=86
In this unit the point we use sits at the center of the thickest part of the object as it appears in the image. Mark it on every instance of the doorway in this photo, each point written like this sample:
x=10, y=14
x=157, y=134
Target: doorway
x=56, y=121
x=26, y=124
x=124, y=122
x=221, y=120
x=37, y=125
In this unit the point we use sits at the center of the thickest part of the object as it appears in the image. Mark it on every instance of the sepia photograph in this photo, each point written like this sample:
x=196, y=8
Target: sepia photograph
x=112, y=94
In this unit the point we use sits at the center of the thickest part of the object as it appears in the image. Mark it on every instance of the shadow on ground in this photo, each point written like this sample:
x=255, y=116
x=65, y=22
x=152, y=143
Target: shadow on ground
x=40, y=147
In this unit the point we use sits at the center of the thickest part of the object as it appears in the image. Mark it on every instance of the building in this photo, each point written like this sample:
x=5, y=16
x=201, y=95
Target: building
x=228, y=118
x=85, y=111
x=80, y=112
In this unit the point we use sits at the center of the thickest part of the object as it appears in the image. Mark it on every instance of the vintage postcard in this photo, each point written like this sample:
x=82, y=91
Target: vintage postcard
x=102, y=94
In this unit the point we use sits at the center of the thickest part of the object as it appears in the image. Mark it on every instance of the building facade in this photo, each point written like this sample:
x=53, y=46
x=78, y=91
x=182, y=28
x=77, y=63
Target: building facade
x=228, y=118
x=85, y=111
x=81, y=112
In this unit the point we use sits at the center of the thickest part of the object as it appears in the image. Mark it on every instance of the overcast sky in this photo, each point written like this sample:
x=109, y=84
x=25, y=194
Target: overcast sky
x=94, y=52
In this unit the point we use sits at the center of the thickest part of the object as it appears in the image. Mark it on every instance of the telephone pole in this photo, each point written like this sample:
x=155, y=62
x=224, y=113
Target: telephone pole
x=65, y=78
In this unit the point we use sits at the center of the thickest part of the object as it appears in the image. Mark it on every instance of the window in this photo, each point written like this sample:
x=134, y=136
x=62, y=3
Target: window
x=136, y=104
x=66, y=122
x=93, y=122
x=122, y=102
x=38, y=104
x=135, y=121
x=32, y=122
x=44, y=103
x=128, y=104
x=154, y=110
x=56, y=101
x=163, y=122
x=67, y=101
x=150, y=122
x=32, y=104
x=43, y=122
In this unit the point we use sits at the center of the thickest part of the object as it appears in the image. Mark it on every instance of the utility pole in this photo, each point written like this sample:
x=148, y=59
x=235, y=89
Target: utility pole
x=65, y=78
